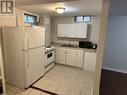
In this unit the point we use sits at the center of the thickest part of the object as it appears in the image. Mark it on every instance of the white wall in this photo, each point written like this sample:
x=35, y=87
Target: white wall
x=115, y=55
x=95, y=26
x=57, y=20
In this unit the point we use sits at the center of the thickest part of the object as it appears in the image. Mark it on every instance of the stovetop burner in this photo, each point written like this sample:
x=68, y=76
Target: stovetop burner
x=48, y=49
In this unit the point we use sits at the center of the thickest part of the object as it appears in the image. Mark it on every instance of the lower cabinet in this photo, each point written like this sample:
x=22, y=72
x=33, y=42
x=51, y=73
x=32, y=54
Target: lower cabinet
x=75, y=57
x=71, y=57
x=60, y=56
x=79, y=58
x=89, y=61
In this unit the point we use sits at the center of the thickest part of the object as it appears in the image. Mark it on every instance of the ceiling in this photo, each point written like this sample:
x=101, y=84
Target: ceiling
x=35, y=2
x=118, y=7
x=72, y=7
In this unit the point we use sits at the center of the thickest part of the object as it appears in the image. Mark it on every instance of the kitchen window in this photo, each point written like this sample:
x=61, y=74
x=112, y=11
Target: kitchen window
x=29, y=18
x=82, y=18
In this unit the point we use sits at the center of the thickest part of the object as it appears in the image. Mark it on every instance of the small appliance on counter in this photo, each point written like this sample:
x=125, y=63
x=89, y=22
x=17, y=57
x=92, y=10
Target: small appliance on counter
x=94, y=46
x=87, y=44
x=84, y=44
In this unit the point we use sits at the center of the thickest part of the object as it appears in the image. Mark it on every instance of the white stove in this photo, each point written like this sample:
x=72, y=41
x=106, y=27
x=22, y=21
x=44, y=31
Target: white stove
x=49, y=58
x=47, y=49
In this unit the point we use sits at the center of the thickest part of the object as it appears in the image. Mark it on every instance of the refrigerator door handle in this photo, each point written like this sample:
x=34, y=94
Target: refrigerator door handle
x=27, y=39
x=28, y=59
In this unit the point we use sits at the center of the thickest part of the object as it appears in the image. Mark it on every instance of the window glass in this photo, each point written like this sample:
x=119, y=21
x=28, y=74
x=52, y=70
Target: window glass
x=29, y=19
x=87, y=18
x=82, y=19
x=79, y=18
x=25, y=18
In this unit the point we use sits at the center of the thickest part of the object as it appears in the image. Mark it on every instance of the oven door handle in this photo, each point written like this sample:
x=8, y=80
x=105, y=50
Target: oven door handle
x=49, y=51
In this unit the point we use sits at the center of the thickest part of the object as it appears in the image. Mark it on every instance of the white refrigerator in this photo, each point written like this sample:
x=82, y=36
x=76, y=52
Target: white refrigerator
x=24, y=55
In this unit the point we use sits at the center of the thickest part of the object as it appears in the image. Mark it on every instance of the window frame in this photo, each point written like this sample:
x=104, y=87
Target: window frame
x=29, y=15
x=75, y=18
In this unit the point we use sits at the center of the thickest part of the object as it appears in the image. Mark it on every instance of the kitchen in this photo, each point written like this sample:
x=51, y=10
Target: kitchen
x=62, y=50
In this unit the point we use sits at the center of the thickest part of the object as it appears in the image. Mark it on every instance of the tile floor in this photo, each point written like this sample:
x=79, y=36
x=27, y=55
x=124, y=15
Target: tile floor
x=11, y=90
x=62, y=80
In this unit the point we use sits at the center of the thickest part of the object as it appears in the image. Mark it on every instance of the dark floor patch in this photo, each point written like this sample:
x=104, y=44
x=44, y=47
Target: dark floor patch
x=45, y=91
x=113, y=83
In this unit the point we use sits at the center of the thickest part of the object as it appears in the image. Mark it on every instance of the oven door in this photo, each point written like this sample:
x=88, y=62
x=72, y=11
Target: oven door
x=49, y=57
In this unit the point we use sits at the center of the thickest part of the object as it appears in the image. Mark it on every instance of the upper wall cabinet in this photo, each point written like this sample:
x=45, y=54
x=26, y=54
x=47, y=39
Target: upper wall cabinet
x=73, y=30
x=8, y=21
x=12, y=20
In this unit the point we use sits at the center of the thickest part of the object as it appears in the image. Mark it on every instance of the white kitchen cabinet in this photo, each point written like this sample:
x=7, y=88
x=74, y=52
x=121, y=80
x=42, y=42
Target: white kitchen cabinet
x=13, y=20
x=90, y=61
x=79, y=58
x=62, y=30
x=71, y=57
x=66, y=30
x=72, y=30
x=81, y=30
x=60, y=56
x=8, y=21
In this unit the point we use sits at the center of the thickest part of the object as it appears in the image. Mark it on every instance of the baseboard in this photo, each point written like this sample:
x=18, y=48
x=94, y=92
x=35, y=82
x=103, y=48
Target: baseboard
x=114, y=69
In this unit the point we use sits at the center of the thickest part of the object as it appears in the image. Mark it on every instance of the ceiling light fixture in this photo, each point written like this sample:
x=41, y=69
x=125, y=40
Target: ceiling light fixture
x=60, y=10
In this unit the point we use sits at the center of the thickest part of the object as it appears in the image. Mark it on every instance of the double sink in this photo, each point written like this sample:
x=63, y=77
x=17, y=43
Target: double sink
x=70, y=45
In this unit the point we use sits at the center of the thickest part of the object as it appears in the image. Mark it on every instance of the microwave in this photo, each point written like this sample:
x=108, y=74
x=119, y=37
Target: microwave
x=89, y=45
x=83, y=44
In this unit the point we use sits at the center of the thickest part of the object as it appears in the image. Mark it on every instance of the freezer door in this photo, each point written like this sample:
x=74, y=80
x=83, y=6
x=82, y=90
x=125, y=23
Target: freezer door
x=34, y=65
x=35, y=37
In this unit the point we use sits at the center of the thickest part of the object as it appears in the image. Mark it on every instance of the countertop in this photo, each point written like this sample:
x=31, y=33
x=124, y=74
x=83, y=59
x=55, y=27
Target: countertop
x=76, y=48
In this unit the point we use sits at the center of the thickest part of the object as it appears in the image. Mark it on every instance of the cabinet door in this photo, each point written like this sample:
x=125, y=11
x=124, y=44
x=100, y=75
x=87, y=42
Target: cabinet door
x=71, y=30
x=62, y=30
x=8, y=21
x=60, y=56
x=71, y=57
x=79, y=58
x=90, y=61
x=81, y=31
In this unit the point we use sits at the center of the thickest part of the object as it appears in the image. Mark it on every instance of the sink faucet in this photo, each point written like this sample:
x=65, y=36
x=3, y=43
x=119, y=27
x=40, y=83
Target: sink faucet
x=69, y=44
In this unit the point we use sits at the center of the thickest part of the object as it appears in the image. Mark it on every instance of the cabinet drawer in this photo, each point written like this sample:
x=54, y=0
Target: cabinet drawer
x=80, y=52
x=71, y=51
